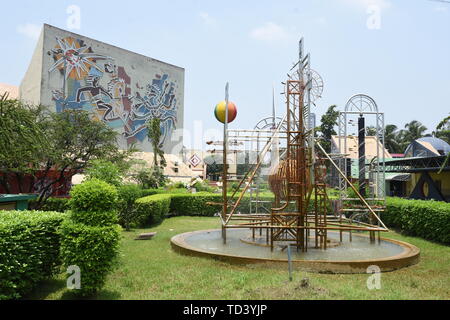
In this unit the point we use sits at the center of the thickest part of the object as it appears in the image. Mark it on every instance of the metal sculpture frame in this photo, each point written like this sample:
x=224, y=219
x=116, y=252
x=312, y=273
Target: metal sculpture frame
x=298, y=181
x=362, y=105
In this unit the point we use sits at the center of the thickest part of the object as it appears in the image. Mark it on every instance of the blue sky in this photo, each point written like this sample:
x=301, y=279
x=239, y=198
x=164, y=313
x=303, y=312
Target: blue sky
x=404, y=64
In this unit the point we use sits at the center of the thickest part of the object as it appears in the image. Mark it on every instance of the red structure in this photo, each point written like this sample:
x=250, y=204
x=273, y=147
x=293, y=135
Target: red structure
x=34, y=183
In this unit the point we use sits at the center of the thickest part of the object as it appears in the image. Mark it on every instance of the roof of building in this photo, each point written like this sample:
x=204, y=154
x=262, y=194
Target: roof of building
x=13, y=91
x=417, y=164
x=436, y=143
x=352, y=147
x=427, y=147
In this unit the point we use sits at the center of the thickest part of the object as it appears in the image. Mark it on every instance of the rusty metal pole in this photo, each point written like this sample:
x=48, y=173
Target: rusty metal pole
x=225, y=169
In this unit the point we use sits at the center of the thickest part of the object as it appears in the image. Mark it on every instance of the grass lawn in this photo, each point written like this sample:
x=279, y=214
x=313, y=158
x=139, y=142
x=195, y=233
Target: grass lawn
x=151, y=270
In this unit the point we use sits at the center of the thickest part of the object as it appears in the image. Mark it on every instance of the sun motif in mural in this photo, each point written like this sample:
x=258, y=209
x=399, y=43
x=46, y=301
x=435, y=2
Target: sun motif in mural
x=74, y=58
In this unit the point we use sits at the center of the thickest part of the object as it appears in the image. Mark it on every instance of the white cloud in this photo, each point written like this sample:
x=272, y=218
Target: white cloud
x=382, y=4
x=29, y=30
x=207, y=19
x=270, y=32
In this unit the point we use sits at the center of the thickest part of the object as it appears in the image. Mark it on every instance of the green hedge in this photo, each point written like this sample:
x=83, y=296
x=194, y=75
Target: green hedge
x=93, y=249
x=93, y=196
x=29, y=250
x=52, y=204
x=151, y=210
x=423, y=218
x=195, y=204
x=90, y=237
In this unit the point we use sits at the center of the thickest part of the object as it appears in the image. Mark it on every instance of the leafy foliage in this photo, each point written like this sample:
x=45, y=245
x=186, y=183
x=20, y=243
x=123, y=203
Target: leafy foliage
x=149, y=178
x=93, y=249
x=93, y=196
x=52, y=204
x=128, y=194
x=90, y=239
x=104, y=170
x=326, y=128
x=29, y=250
x=23, y=145
x=152, y=210
x=424, y=218
x=154, y=135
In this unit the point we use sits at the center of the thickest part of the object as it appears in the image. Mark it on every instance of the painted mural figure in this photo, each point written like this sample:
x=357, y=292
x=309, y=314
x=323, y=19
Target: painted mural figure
x=113, y=101
x=96, y=91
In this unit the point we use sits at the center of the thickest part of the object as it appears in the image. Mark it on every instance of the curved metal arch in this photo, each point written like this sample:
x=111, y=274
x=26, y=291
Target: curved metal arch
x=362, y=103
x=267, y=124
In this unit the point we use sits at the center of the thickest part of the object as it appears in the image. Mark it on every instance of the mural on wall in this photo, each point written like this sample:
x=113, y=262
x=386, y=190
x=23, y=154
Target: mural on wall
x=93, y=82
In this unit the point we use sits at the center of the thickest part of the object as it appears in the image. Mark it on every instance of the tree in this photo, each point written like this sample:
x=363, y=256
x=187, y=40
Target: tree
x=443, y=130
x=326, y=128
x=23, y=145
x=156, y=172
x=371, y=131
x=75, y=139
x=35, y=143
x=154, y=135
x=444, y=124
x=104, y=170
x=392, y=139
x=414, y=130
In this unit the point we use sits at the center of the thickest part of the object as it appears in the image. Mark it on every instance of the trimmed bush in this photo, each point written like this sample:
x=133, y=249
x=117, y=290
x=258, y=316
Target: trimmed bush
x=195, y=204
x=128, y=194
x=93, y=195
x=90, y=238
x=423, y=218
x=151, y=210
x=29, y=250
x=98, y=218
x=52, y=204
x=93, y=249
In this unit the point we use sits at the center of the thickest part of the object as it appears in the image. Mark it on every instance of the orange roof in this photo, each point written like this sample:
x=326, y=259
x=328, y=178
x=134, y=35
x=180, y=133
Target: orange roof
x=13, y=91
x=352, y=147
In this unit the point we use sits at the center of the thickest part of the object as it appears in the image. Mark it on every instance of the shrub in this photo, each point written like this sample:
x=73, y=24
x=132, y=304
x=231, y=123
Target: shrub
x=128, y=194
x=98, y=218
x=93, y=249
x=152, y=210
x=203, y=186
x=90, y=239
x=52, y=204
x=94, y=196
x=150, y=192
x=195, y=204
x=29, y=250
x=424, y=218
x=105, y=171
x=150, y=177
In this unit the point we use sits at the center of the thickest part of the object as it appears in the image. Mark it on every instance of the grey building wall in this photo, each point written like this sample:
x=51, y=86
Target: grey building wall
x=119, y=87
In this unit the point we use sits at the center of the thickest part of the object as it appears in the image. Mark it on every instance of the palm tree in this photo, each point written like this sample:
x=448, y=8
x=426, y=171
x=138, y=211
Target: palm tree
x=392, y=139
x=414, y=130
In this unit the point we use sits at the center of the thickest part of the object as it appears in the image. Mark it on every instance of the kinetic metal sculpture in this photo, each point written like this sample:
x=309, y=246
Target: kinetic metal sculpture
x=300, y=210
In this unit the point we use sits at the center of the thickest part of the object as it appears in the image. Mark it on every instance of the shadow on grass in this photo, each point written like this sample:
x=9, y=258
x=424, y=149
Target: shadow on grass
x=45, y=288
x=52, y=286
x=101, y=295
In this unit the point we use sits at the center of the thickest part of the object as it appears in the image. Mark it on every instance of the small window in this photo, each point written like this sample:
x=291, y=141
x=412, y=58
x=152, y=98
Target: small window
x=175, y=170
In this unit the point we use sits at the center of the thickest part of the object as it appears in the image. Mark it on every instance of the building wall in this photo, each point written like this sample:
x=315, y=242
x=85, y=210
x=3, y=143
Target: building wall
x=119, y=87
x=443, y=179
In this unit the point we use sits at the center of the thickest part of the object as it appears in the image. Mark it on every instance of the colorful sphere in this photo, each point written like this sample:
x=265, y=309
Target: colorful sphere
x=219, y=111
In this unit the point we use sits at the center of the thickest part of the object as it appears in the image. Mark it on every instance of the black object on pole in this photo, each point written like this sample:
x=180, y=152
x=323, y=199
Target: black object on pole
x=362, y=155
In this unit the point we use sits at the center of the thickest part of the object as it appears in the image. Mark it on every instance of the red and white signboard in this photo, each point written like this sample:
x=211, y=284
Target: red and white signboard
x=195, y=160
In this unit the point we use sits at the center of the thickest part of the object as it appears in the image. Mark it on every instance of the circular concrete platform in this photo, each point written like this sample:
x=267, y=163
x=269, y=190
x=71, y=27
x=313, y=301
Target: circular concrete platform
x=342, y=257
